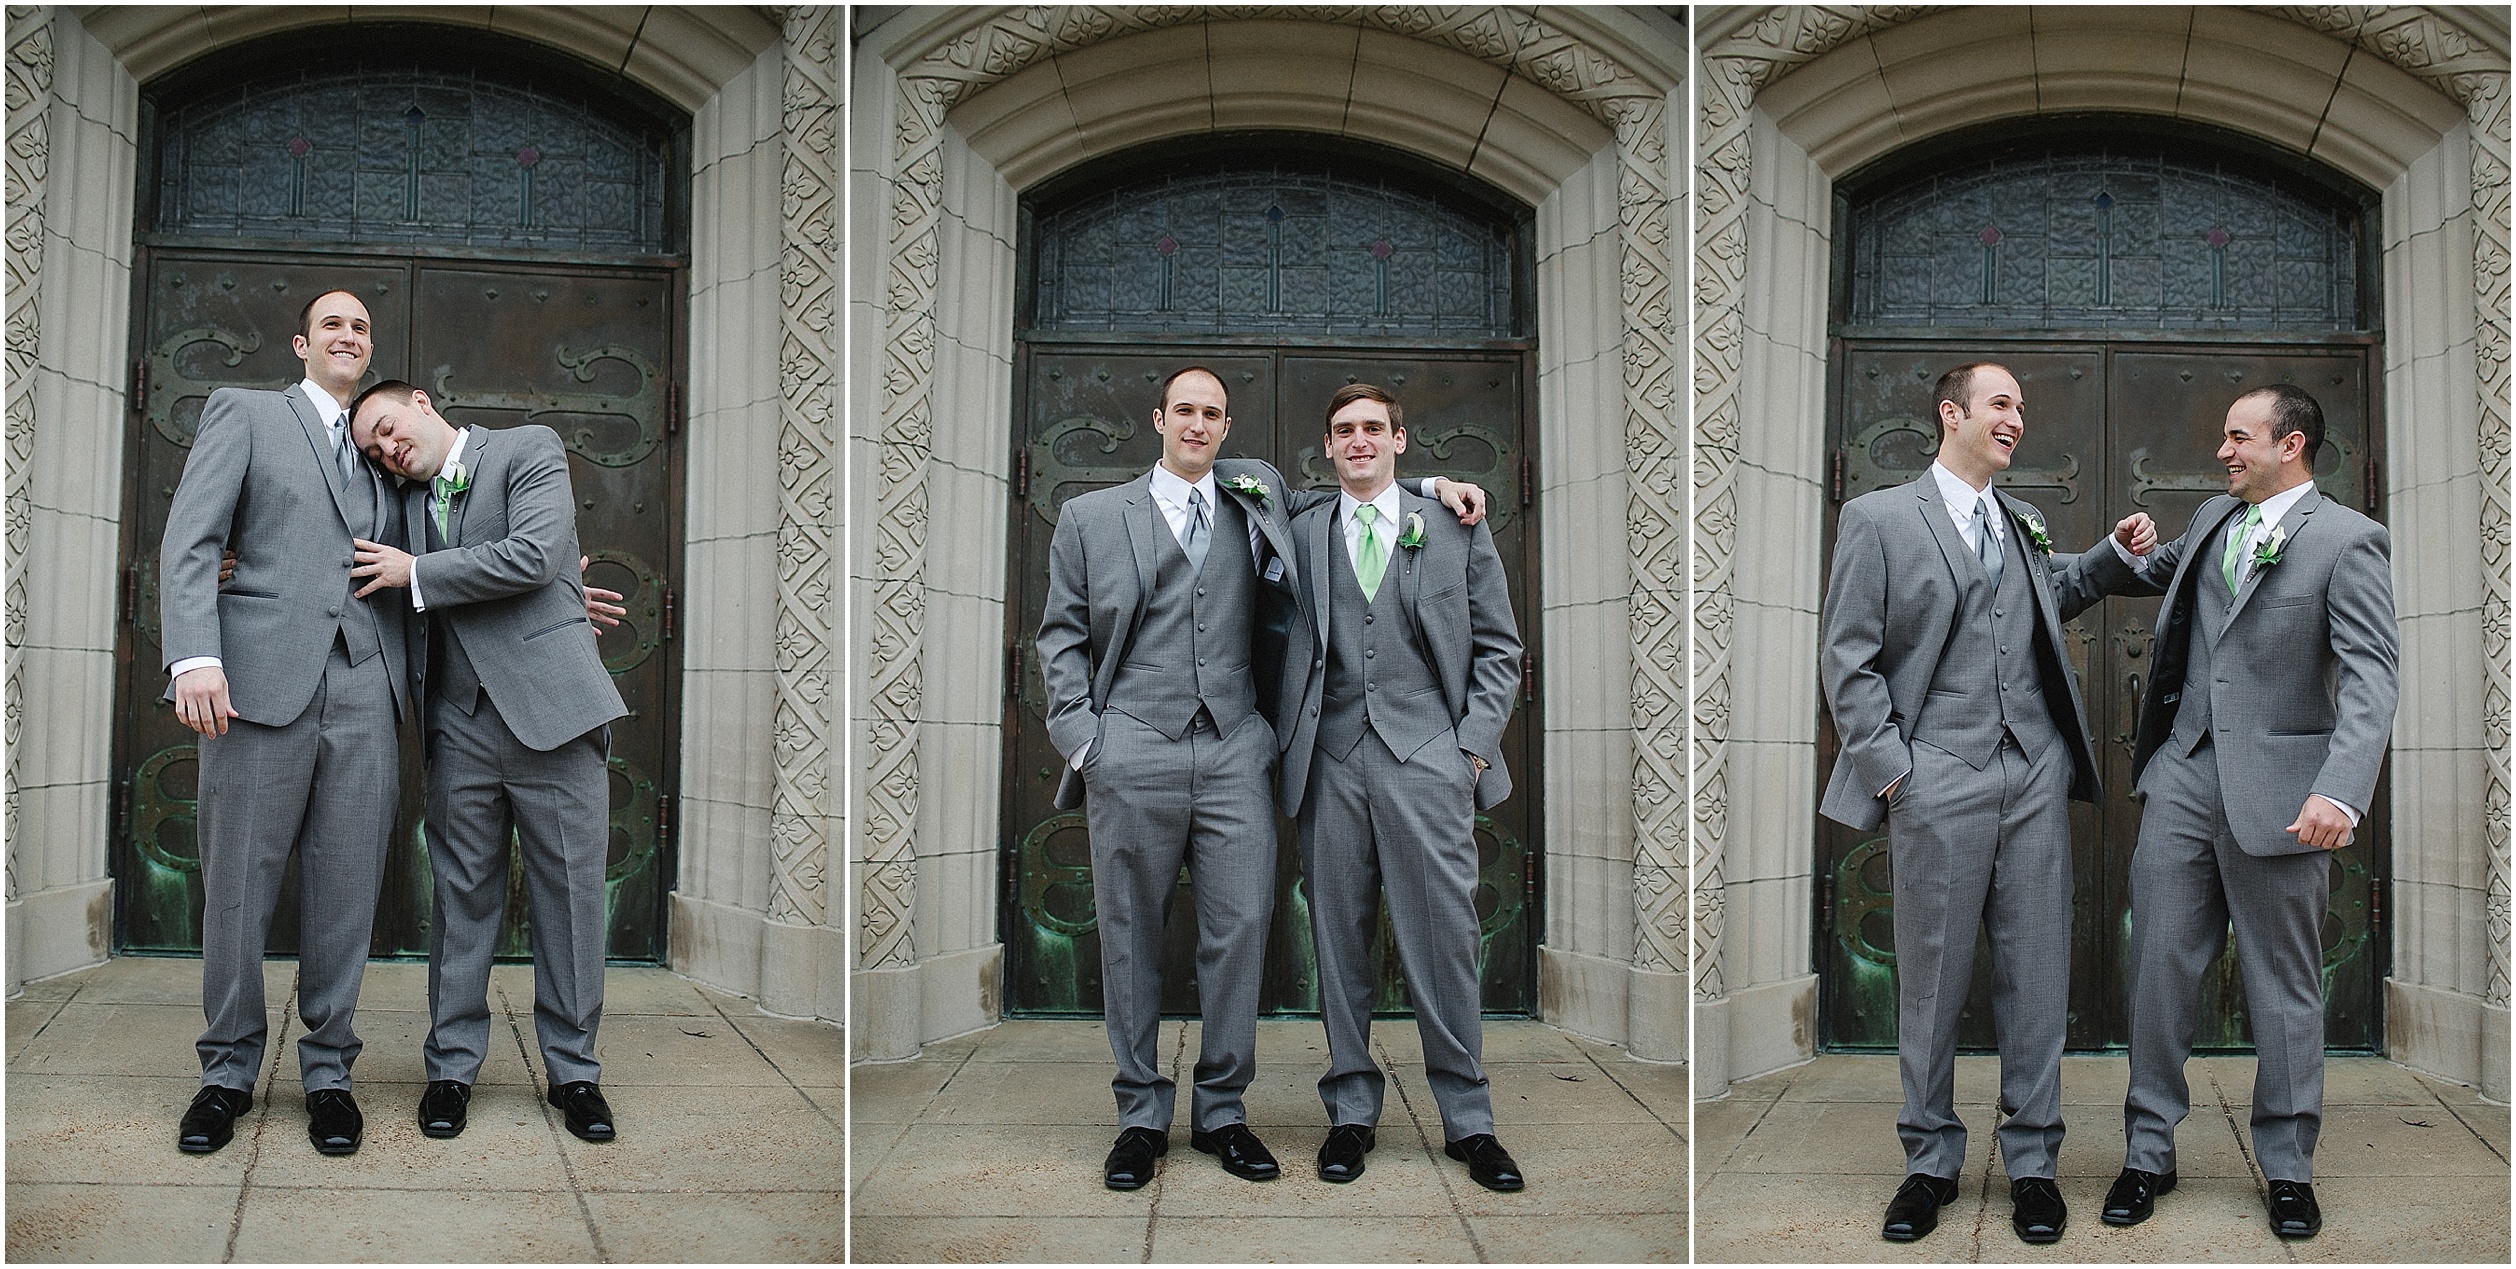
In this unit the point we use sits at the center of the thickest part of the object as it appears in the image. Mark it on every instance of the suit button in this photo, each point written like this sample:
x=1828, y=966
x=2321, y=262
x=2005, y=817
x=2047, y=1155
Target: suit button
x=335, y=612
x=2004, y=647
x=1367, y=619
x=1201, y=627
x=1371, y=687
x=1201, y=590
x=1201, y=660
x=1996, y=612
x=351, y=562
x=1314, y=711
x=1318, y=665
x=1369, y=653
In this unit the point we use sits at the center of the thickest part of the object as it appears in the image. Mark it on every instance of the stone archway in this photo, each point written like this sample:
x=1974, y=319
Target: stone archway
x=2410, y=101
x=970, y=105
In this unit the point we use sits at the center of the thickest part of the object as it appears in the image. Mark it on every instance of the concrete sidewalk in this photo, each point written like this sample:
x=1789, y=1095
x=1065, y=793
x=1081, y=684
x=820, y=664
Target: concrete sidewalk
x=989, y=1148
x=730, y=1145
x=1799, y=1165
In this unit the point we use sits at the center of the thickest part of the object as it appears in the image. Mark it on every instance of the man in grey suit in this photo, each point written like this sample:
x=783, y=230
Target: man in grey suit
x=2261, y=733
x=294, y=681
x=517, y=707
x=1153, y=643
x=1413, y=662
x=1962, y=729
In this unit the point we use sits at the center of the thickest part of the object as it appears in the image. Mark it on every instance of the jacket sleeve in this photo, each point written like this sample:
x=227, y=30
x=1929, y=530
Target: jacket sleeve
x=2079, y=581
x=541, y=530
x=1854, y=639
x=197, y=525
x=2360, y=604
x=1065, y=639
x=1494, y=650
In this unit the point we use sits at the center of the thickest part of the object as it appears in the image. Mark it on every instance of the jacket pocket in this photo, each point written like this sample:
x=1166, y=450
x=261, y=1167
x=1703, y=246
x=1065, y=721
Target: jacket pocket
x=556, y=625
x=239, y=592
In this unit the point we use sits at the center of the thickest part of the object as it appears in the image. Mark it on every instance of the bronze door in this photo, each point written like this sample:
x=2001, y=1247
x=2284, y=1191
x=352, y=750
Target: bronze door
x=587, y=351
x=2112, y=428
x=1086, y=419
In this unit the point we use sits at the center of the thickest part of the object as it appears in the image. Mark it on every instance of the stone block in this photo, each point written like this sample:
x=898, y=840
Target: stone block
x=1534, y=140
x=1766, y=931
x=2438, y=829
x=717, y=943
x=2440, y=665
x=1589, y=795
x=886, y=1021
x=53, y=931
x=1585, y=992
x=1590, y=909
x=1424, y=99
x=1771, y=1025
x=1772, y=818
x=2289, y=73
x=71, y=568
x=2109, y=58
x=72, y=692
x=729, y=603
x=85, y=310
x=1139, y=87
x=1022, y=120
x=1291, y=76
x=1581, y=404
x=686, y=55
x=2381, y=119
x=123, y=1222
x=725, y=728
x=803, y=969
x=1583, y=547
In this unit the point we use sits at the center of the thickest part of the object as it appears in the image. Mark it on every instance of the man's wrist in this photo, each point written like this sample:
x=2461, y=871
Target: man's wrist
x=189, y=664
x=1429, y=487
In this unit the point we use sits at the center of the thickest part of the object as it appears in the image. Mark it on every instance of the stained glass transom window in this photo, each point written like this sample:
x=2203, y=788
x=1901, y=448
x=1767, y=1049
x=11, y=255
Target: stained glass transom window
x=1272, y=249
x=411, y=157
x=2104, y=239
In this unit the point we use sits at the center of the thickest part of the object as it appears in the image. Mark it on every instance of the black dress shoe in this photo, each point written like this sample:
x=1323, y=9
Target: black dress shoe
x=333, y=1122
x=1242, y=1154
x=1915, y=1209
x=442, y=1107
x=210, y=1122
x=1131, y=1159
x=2135, y=1195
x=589, y=1116
x=2293, y=1210
x=1341, y=1155
x=1488, y=1163
x=2036, y=1210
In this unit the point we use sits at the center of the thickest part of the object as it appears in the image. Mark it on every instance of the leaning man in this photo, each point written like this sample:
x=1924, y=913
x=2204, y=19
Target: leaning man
x=518, y=707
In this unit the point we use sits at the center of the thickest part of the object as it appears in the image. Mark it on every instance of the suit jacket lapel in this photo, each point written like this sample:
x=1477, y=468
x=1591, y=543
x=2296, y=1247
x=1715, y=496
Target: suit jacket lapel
x=1934, y=511
x=476, y=463
x=1269, y=526
x=1326, y=535
x=320, y=437
x=2295, y=523
x=1408, y=587
x=2042, y=582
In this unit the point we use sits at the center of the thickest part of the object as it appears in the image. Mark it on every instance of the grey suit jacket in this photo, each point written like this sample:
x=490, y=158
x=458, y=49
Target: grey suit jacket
x=1458, y=610
x=2304, y=671
x=1100, y=575
x=261, y=480
x=507, y=581
x=1891, y=602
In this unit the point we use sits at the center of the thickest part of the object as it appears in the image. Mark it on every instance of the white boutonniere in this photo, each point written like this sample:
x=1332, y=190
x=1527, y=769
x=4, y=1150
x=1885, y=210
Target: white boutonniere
x=451, y=481
x=2267, y=553
x=2034, y=525
x=1413, y=538
x=1250, y=485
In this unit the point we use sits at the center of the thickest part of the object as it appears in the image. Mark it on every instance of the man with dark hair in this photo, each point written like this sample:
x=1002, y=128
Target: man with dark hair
x=1962, y=730
x=1148, y=648
x=1396, y=729
x=293, y=678
x=2262, y=730
x=516, y=714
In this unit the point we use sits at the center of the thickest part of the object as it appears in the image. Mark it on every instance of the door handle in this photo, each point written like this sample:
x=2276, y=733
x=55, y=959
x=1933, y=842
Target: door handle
x=2130, y=736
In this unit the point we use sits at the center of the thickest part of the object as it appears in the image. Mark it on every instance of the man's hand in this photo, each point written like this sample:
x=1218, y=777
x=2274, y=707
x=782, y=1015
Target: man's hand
x=602, y=607
x=2321, y=824
x=1890, y=794
x=227, y=568
x=384, y=565
x=1465, y=500
x=201, y=700
x=2138, y=533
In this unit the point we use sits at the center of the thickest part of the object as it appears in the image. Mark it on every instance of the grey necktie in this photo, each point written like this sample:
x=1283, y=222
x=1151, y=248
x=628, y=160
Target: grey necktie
x=1194, y=540
x=1987, y=547
x=341, y=455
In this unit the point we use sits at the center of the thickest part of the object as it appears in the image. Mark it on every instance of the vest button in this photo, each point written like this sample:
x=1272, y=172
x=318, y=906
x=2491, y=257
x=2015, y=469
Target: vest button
x=1371, y=687
x=1201, y=590
x=1995, y=612
x=1369, y=653
x=1201, y=627
x=332, y=612
x=1201, y=660
x=1367, y=619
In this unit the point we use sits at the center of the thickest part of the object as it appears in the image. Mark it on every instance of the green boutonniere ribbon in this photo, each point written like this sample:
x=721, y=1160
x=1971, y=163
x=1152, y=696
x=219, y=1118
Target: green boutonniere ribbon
x=2268, y=552
x=1413, y=538
x=449, y=485
x=1250, y=485
x=2034, y=525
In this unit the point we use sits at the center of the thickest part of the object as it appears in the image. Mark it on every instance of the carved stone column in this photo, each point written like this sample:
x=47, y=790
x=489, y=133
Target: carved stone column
x=29, y=153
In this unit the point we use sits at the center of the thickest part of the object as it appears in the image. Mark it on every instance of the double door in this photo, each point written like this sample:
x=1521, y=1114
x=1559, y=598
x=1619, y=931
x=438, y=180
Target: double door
x=2112, y=428
x=588, y=351
x=1084, y=414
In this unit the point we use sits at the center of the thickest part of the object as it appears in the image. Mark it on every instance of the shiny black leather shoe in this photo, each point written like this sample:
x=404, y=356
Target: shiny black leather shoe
x=2036, y=1210
x=1131, y=1158
x=2293, y=1210
x=589, y=1116
x=2135, y=1196
x=442, y=1108
x=1914, y=1211
x=333, y=1123
x=1341, y=1155
x=1240, y=1151
x=210, y=1122
x=1488, y=1163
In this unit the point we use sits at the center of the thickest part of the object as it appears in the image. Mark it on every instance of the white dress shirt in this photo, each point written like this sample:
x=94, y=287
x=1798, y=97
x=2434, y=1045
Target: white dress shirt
x=1961, y=499
x=1384, y=529
x=461, y=435
x=335, y=416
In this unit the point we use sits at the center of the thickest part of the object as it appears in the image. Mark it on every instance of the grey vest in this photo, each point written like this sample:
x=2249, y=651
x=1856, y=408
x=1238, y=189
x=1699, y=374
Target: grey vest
x=449, y=666
x=1191, y=647
x=364, y=502
x=1967, y=711
x=1396, y=695
x=2211, y=602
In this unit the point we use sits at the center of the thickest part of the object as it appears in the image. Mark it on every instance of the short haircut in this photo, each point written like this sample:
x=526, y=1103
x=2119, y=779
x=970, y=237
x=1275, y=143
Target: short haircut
x=1353, y=392
x=1958, y=386
x=305, y=316
x=394, y=388
x=1164, y=404
x=2293, y=410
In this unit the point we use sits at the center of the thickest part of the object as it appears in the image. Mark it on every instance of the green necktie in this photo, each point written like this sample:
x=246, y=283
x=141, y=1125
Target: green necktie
x=1371, y=559
x=444, y=490
x=2236, y=544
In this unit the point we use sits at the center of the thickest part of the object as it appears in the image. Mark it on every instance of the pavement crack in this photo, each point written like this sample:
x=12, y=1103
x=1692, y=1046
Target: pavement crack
x=2449, y=1107
x=277, y=1052
x=534, y=1075
x=798, y=1089
x=1449, y=1192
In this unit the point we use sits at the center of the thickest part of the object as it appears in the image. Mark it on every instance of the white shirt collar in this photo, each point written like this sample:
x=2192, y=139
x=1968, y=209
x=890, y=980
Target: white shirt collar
x=1962, y=497
x=2276, y=507
x=455, y=451
x=1386, y=500
x=326, y=408
x=1172, y=491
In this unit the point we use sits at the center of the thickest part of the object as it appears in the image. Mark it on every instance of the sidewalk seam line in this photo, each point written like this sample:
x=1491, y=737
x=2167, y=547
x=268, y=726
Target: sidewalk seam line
x=534, y=1075
x=253, y=1155
x=1388, y=1066
x=798, y=1089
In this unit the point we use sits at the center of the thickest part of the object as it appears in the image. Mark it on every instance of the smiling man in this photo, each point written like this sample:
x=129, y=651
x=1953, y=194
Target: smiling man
x=1962, y=729
x=517, y=721
x=1412, y=668
x=2261, y=735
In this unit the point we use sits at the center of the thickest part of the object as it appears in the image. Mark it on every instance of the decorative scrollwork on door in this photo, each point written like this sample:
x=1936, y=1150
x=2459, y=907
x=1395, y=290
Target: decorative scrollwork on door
x=1051, y=473
x=164, y=824
x=168, y=386
x=642, y=631
x=643, y=408
x=1870, y=462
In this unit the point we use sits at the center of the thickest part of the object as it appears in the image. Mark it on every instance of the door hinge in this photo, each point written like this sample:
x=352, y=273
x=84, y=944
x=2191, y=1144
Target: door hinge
x=1022, y=472
x=668, y=612
x=1528, y=487
x=1826, y=906
x=2367, y=481
x=672, y=408
x=1528, y=678
x=663, y=820
x=2375, y=911
x=131, y=592
x=122, y=809
x=1834, y=476
x=140, y=385
x=1013, y=670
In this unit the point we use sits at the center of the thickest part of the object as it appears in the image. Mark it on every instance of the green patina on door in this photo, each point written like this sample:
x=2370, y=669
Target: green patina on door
x=1289, y=277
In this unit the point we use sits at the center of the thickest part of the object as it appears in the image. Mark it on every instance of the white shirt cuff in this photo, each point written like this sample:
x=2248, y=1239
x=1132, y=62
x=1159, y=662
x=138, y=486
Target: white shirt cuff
x=1893, y=783
x=2346, y=809
x=1427, y=487
x=417, y=604
x=2124, y=551
x=189, y=664
x=1083, y=753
